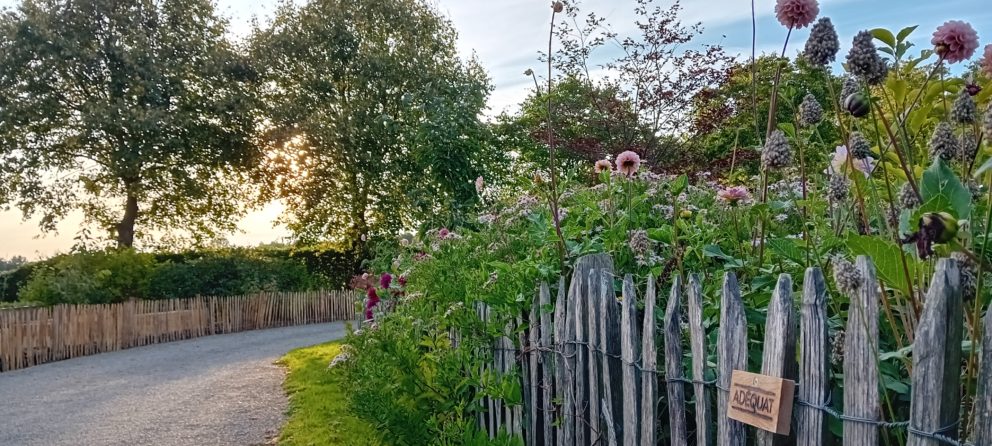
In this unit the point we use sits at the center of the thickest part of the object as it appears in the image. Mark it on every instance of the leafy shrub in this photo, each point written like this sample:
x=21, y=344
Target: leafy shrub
x=90, y=277
x=226, y=275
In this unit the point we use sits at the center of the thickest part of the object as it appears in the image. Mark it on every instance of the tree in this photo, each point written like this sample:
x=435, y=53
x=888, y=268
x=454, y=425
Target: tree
x=138, y=113
x=373, y=120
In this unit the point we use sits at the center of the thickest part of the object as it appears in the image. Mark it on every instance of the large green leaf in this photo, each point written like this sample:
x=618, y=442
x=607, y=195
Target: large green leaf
x=885, y=36
x=943, y=188
x=887, y=258
x=787, y=248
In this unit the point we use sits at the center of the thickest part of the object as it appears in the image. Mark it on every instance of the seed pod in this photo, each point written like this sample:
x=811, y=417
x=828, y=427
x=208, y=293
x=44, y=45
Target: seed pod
x=558, y=7
x=857, y=105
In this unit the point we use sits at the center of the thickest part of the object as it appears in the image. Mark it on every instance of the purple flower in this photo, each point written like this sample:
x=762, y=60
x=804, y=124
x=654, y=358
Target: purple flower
x=955, y=41
x=796, y=13
x=385, y=280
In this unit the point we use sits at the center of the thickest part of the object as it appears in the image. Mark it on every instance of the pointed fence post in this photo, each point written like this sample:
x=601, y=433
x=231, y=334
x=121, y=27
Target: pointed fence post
x=577, y=318
x=814, y=370
x=697, y=339
x=609, y=329
x=779, y=356
x=983, y=400
x=534, y=387
x=649, y=369
x=860, y=366
x=592, y=324
x=673, y=365
x=629, y=347
x=731, y=355
x=562, y=388
x=936, y=403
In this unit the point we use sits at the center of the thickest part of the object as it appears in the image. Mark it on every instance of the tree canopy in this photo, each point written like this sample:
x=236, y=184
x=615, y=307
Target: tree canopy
x=138, y=113
x=373, y=119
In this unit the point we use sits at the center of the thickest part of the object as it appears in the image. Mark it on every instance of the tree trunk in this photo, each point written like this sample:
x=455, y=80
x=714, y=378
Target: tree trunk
x=125, y=229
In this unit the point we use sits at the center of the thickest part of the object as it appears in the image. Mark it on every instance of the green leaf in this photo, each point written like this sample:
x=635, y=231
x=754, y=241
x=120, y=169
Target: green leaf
x=716, y=251
x=898, y=87
x=662, y=234
x=905, y=32
x=885, y=36
x=984, y=167
x=787, y=248
x=680, y=184
x=887, y=257
x=788, y=129
x=941, y=184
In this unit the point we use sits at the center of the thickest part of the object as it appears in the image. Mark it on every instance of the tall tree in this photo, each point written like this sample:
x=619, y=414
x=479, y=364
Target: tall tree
x=138, y=113
x=373, y=120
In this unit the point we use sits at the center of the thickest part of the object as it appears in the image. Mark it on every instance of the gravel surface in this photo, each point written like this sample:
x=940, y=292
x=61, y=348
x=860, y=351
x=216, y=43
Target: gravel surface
x=215, y=390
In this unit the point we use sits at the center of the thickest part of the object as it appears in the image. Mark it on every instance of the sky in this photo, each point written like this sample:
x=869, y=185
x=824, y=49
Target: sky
x=506, y=36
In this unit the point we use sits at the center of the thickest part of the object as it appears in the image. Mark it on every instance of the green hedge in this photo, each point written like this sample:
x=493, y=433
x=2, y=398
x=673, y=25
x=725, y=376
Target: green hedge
x=117, y=275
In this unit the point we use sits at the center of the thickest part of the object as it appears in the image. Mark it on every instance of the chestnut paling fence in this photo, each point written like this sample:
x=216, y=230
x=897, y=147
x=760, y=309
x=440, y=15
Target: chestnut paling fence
x=590, y=373
x=31, y=336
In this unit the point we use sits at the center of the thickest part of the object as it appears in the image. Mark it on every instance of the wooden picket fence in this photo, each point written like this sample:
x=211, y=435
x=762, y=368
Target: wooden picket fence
x=590, y=373
x=32, y=336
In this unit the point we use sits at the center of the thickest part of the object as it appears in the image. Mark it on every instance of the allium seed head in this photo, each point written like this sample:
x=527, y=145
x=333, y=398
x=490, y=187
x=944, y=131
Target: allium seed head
x=943, y=144
x=863, y=60
x=860, y=147
x=907, y=197
x=558, y=7
x=810, y=111
x=846, y=276
x=967, y=148
x=777, y=153
x=850, y=87
x=988, y=122
x=968, y=270
x=955, y=41
x=964, y=110
x=838, y=187
x=823, y=44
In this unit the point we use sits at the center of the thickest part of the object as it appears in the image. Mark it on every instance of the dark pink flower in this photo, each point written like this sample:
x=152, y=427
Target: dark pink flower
x=443, y=233
x=955, y=41
x=628, y=162
x=986, y=62
x=402, y=281
x=796, y=13
x=385, y=280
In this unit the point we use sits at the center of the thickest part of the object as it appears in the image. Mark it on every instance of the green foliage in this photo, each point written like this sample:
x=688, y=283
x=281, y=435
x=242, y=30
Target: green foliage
x=318, y=402
x=372, y=101
x=91, y=277
x=139, y=114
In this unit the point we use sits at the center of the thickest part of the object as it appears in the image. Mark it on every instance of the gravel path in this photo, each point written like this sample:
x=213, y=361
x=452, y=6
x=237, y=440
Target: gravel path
x=215, y=390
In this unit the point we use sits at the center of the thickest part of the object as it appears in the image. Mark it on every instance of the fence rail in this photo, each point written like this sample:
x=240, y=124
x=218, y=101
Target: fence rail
x=591, y=376
x=32, y=336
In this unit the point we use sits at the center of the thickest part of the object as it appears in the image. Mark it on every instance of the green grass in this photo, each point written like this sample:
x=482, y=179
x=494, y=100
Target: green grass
x=318, y=405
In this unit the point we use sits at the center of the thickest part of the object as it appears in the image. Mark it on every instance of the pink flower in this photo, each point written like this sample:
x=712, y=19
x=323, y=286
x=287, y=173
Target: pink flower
x=838, y=164
x=986, y=62
x=385, y=280
x=603, y=166
x=733, y=195
x=480, y=184
x=796, y=13
x=443, y=233
x=955, y=41
x=628, y=162
x=402, y=281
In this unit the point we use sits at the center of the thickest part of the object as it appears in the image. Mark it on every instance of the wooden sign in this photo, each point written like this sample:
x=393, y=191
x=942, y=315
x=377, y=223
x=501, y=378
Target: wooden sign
x=764, y=402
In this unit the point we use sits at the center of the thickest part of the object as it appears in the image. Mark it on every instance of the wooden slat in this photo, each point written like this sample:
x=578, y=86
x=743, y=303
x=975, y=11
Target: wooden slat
x=533, y=386
x=560, y=373
x=936, y=402
x=860, y=368
x=594, y=294
x=814, y=368
x=649, y=367
x=697, y=339
x=983, y=399
x=673, y=366
x=578, y=303
x=779, y=356
x=731, y=355
x=609, y=334
x=629, y=350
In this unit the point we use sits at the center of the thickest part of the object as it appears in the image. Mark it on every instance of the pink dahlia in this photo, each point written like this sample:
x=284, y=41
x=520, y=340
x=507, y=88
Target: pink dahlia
x=955, y=41
x=480, y=184
x=796, y=13
x=385, y=280
x=733, y=195
x=603, y=166
x=628, y=162
x=986, y=62
x=443, y=233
